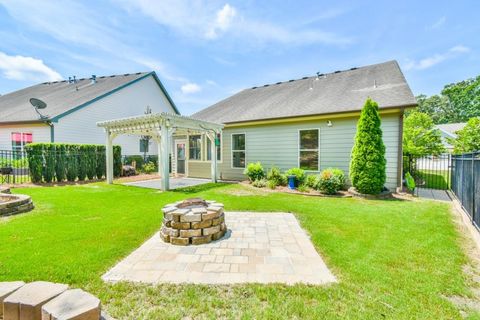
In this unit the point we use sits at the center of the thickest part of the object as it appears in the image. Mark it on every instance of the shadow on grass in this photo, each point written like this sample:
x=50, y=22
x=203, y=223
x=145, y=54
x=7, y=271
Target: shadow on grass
x=434, y=180
x=200, y=188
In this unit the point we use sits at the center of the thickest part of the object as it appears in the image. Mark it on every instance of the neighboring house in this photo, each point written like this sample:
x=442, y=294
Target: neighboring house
x=75, y=106
x=308, y=123
x=449, y=131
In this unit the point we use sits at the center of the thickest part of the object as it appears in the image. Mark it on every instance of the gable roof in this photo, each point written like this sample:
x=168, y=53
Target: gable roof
x=340, y=91
x=63, y=98
x=451, y=128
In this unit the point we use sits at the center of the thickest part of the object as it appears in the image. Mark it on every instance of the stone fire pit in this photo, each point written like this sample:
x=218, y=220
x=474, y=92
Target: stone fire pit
x=193, y=221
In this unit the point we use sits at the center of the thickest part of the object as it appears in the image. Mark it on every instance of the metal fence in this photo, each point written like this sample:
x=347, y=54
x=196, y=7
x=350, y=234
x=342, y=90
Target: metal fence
x=13, y=167
x=430, y=172
x=466, y=183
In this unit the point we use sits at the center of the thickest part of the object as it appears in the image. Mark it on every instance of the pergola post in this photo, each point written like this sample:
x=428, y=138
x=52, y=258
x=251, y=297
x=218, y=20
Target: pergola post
x=213, y=152
x=109, y=156
x=163, y=157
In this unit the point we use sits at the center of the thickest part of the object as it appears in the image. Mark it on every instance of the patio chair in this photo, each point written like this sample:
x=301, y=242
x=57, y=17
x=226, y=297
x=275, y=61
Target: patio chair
x=5, y=173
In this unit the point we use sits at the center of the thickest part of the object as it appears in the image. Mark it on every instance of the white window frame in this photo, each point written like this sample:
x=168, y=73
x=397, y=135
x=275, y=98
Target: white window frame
x=221, y=149
x=318, y=148
x=22, y=140
x=232, y=151
x=201, y=147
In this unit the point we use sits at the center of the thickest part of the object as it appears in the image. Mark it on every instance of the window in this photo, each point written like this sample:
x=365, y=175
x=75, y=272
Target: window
x=20, y=139
x=238, y=150
x=144, y=144
x=308, y=149
x=219, y=149
x=195, y=147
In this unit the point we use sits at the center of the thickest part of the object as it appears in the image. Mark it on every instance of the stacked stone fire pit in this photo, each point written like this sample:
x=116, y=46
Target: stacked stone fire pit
x=193, y=221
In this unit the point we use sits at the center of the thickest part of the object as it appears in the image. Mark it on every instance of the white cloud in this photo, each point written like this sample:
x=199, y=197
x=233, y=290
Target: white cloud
x=26, y=68
x=189, y=88
x=222, y=22
x=210, y=21
x=437, y=24
x=435, y=59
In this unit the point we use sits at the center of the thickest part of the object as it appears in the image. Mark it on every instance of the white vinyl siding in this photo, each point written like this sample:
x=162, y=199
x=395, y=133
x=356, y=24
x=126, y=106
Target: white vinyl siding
x=81, y=126
x=40, y=133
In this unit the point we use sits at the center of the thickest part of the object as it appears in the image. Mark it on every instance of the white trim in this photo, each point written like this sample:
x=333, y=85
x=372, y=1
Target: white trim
x=231, y=150
x=201, y=147
x=318, y=148
x=180, y=141
x=221, y=148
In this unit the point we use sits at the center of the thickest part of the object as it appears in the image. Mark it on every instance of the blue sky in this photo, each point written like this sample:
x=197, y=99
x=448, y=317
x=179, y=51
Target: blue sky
x=206, y=51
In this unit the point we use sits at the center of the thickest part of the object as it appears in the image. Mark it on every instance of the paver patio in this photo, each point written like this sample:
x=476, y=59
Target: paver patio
x=258, y=247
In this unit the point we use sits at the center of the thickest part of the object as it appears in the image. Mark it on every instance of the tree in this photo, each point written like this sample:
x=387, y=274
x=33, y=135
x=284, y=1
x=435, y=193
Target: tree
x=367, y=164
x=468, y=139
x=457, y=102
x=420, y=138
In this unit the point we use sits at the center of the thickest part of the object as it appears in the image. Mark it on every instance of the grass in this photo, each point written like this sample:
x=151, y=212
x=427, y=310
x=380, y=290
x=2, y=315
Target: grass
x=394, y=259
x=435, y=179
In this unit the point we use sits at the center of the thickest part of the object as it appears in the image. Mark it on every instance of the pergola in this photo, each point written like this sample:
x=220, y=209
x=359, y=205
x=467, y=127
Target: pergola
x=160, y=127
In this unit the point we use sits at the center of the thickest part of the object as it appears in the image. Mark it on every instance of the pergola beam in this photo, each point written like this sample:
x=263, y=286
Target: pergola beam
x=161, y=127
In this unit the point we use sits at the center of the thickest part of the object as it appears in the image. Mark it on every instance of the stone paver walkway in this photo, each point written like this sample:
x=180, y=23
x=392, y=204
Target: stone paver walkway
x=258, y=247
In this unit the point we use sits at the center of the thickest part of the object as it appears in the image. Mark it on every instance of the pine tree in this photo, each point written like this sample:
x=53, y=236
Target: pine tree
x=367, y=164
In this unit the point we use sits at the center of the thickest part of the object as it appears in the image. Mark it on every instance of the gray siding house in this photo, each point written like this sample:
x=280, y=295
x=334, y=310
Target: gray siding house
x=308, y=123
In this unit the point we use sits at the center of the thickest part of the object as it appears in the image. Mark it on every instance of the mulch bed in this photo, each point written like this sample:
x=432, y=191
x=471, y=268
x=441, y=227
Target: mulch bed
x=283, y=189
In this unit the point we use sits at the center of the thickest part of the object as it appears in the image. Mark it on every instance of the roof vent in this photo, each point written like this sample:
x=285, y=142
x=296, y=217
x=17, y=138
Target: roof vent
x=304, y=78
x=291, y=80
x=279, y=82
x=338, y=71
x=138, y=73
x=266, y=85
x=126, y=74
x=354, y=68
x=254, y=87
x=94, y=79
x=112, y=76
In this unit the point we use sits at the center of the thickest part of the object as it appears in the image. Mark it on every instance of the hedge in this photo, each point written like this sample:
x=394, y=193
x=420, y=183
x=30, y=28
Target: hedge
x=63, y=161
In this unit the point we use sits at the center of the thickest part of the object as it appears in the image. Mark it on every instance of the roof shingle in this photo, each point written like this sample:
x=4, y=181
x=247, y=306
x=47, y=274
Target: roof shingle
x=330, y=93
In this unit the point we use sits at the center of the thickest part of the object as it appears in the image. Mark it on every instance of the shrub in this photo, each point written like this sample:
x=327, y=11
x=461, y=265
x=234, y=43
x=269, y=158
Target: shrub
x=367, y=165
x=272, y=184
x=311, y=181
x=82, y=162
x=91, y=161
x=149, y=167
x=72, y=162
x=410, y=182
x=260, y=183
x=49, y=168
x=100, y=161
x=138, y=159
x=60, y=162
x=275, y=176
x=299, y=175
x=330, y=181
x=303, y=188
x=254, y=171
x=117, y=161
x=35, y=161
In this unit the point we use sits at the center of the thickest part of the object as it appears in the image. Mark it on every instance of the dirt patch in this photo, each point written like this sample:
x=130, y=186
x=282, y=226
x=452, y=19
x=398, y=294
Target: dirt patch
x=468, y=304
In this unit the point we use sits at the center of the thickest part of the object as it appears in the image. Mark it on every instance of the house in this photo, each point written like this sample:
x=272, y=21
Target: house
x=308, y=123
x=74, y=107
x=449, y=131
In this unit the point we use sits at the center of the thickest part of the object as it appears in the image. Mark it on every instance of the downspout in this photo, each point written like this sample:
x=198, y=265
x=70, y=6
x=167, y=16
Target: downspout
x=400, y=150
x=52, y=131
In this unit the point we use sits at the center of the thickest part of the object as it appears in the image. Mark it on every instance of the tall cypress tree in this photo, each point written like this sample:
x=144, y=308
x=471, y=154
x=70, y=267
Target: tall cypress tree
x=367, y=164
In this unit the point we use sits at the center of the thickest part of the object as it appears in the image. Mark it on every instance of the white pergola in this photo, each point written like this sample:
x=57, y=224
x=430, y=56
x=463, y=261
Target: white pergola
x=160, y=127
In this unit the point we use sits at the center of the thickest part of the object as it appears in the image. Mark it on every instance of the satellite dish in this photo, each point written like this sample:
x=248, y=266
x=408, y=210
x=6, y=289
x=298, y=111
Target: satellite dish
x=38, y=104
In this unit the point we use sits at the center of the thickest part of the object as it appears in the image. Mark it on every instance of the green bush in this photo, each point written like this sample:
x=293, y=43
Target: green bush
x=271, y=184
x=330, y=181
x=68, y=161
x=60, y=162
x=254, y=171
x=100, y=161
x=49, y=166
x=410, y=182
x=138, y=159
x=303, y=188
x=299, y=175
x=367, y=165
x=35, y=161
x=311, y=181
x=275, y=177
x=117, y=161
x=149, y=167
x=260, y=183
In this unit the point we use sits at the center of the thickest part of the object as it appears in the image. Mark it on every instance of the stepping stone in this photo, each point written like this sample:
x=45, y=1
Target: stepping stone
x=74, y=304
x=6, y=288
x=26, y=303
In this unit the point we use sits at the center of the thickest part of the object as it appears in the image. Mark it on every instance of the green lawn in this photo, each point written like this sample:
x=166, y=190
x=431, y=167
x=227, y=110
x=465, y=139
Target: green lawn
x=394, y=259
x=435, y=179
